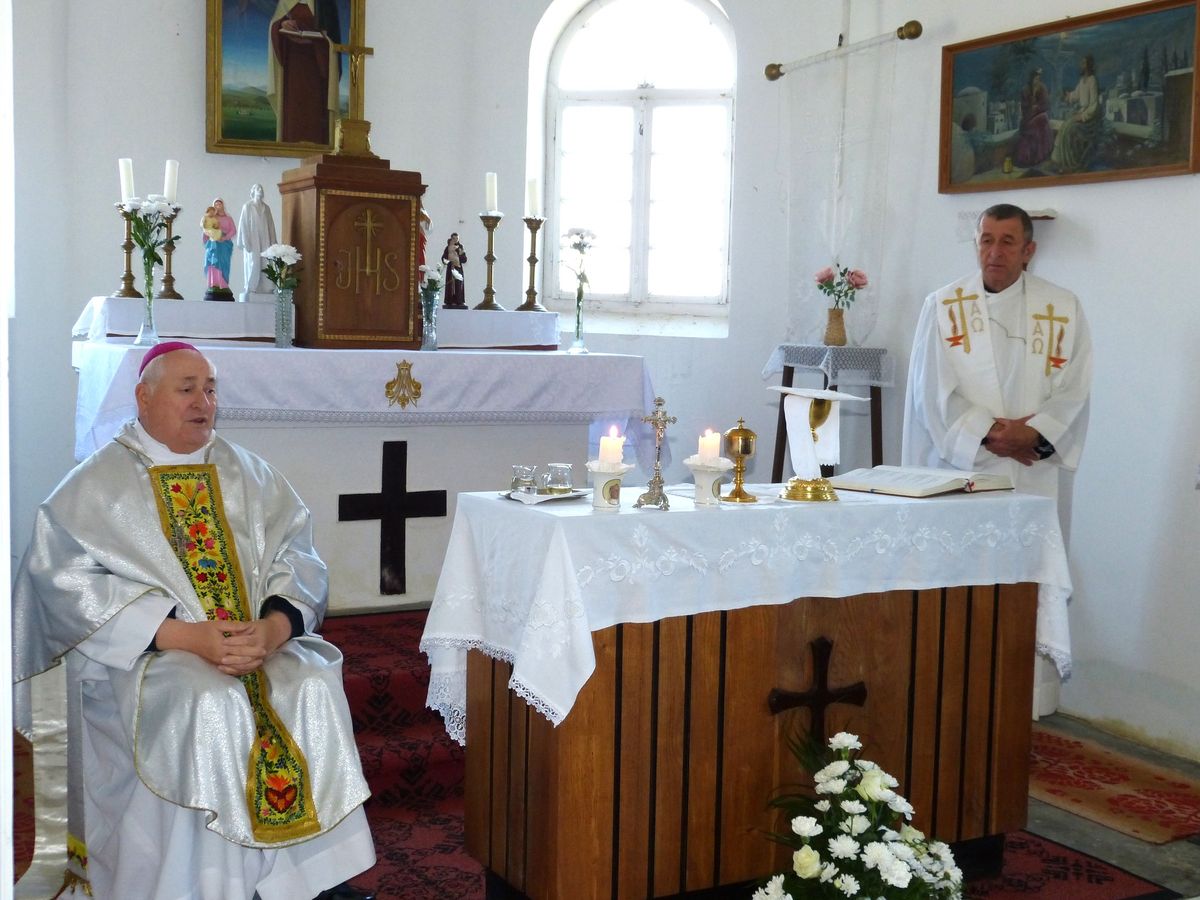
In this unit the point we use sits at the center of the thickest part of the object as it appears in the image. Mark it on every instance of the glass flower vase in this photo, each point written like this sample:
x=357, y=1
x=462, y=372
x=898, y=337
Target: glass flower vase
x=429, y=306
x=147, y=335
x=577, y=344
x=283, y=317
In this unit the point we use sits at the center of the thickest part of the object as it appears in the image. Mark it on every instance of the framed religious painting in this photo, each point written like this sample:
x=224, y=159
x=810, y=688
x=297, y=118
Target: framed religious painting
x=1091, y=98
x=278, y=76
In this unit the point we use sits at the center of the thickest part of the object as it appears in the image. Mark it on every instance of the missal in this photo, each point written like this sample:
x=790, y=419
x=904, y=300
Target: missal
x=916, y=481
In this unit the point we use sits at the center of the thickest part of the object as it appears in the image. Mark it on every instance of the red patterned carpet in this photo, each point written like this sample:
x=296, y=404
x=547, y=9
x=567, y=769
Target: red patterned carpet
x=416, y=774
x=1129, y=795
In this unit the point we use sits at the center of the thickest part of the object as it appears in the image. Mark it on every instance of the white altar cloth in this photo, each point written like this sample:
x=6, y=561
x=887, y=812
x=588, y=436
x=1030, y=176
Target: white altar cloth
x=263, y=384
x=255, y=321
x=528, y=584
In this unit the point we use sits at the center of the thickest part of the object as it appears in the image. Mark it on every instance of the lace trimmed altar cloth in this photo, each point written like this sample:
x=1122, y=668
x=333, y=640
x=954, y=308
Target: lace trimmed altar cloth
x=529, y=584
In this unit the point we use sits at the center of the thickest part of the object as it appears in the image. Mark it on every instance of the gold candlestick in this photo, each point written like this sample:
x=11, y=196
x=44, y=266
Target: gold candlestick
x=490, y=221
x=167, y=291
x=739, y=446
x=533, y=223
x=127, y=289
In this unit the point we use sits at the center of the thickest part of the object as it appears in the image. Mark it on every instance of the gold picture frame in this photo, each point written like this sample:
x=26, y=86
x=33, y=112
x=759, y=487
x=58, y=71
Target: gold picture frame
x=1087, y=99
x=259, y=103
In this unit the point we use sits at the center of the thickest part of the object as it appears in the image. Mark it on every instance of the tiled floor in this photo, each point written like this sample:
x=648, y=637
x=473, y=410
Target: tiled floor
x=1175, y=865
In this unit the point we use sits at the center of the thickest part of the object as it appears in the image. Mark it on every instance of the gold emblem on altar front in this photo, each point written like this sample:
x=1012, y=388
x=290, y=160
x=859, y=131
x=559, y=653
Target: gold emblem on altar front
x=1049, y=344
x=403, y=389
x=963, y=318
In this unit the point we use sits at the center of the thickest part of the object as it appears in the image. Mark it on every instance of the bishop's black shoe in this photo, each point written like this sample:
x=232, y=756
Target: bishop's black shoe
x=345, y=891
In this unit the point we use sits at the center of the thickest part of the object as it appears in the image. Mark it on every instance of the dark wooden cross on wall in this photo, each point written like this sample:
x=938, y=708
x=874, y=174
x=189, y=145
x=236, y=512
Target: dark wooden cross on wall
x=820, y=696
x=394, y=505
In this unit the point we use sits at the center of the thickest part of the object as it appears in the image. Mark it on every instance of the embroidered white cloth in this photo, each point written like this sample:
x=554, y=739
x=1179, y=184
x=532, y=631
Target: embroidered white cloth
x=104, y=316
x=528, y=584
x=264, y=384
x=841, y=365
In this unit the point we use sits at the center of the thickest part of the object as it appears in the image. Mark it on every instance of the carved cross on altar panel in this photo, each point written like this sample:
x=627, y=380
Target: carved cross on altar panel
x=394, y=505
x=820, y=696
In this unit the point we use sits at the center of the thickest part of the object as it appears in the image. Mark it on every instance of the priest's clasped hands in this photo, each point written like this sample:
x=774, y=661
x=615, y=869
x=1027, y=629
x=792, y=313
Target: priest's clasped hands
x=1014, y=439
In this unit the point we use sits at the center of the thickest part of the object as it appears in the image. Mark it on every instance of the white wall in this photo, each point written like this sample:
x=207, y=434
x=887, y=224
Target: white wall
x=450, y=101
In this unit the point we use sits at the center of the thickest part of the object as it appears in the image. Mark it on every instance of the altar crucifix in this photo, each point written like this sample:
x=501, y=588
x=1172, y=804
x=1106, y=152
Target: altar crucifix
x=352, y=135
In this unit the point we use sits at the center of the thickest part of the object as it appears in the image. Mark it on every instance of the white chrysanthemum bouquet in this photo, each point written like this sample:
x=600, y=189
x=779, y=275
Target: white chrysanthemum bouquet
x=853, y=840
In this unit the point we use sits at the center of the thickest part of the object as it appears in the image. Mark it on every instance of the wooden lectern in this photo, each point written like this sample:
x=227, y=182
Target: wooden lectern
x=355, y=221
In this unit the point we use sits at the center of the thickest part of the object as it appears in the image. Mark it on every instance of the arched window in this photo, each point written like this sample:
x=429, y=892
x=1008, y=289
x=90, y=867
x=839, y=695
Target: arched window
x=639, y=151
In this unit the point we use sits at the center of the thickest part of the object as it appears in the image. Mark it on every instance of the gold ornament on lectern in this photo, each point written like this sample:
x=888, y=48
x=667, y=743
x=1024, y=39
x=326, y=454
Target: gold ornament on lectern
x=739, y=446
x=812, y=488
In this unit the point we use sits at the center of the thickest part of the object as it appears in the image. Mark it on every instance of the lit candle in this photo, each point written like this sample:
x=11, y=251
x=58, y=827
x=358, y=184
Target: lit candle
x=171, y=180
x=612, y=447
x=489, y=192
x=126, y=168
x=710, y=446
x=533, y=198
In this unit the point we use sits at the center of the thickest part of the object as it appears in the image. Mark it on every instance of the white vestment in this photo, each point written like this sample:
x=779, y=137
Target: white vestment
x=166, y=736
x=978, y=356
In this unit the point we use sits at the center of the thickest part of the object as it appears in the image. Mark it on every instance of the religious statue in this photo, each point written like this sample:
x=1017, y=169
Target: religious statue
x=255, y=233
x=218, y=251
x=454, y=256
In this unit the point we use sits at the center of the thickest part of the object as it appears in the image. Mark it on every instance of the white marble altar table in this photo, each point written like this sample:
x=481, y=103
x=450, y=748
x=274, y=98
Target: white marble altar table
x=529, y=584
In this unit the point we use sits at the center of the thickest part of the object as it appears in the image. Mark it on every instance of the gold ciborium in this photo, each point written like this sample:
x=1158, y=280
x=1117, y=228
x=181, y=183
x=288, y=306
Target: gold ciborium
x=812, y=488
x=739, y=446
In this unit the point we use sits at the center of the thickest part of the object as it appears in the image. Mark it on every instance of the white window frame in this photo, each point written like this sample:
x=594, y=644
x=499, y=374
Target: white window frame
x=643, y=100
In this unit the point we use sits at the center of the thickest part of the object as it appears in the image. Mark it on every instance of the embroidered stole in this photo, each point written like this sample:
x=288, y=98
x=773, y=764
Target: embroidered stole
x=278, y=786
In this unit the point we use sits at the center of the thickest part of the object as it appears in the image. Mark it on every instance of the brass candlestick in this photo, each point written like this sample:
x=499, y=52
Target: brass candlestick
x=654, y=495
x=815, y=489
x=739, y=446
x=127, y=289
x=167, y=291
x=490, y=221
x=533, y=223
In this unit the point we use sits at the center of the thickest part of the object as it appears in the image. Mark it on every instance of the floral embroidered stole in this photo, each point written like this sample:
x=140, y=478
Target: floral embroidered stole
x=278, y=786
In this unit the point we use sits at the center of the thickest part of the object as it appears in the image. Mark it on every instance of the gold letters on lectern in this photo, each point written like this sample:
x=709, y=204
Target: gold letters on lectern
x=368, y=266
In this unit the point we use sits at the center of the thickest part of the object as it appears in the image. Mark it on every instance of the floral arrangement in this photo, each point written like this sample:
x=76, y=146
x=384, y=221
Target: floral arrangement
x=580, y=240
x=431, y=283
x=853, y=839
x=282, y=260
x=148, y=229
x=840, y=284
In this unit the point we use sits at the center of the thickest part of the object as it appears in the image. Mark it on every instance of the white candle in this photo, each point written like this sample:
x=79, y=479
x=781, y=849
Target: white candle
x=489, y=192
x=533, y=198
x=171, y=180
x=126, y=168
x=612, y=447
x=710, y=446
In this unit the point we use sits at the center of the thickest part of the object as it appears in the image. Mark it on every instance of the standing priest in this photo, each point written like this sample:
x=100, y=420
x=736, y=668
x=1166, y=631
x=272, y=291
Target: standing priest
x=178, y=570
x=999, y=379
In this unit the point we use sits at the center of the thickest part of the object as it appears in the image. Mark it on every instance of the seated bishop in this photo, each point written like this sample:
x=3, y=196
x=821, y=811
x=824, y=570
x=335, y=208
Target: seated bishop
x=176, y=571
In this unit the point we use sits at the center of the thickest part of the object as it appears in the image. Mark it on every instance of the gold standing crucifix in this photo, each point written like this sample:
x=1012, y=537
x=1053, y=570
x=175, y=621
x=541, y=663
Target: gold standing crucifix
x=352, y=135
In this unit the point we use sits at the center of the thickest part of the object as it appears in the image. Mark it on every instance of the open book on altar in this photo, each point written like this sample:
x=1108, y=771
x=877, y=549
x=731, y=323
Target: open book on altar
x=915, y=481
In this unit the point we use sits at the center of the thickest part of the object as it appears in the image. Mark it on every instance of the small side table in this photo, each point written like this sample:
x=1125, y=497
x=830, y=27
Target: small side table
x=838, y=366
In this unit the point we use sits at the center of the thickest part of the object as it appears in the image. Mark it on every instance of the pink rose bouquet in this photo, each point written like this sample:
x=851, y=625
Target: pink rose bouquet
x=841, y=284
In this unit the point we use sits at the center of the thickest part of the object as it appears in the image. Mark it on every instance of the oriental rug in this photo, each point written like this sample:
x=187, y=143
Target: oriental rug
x=1129, y=795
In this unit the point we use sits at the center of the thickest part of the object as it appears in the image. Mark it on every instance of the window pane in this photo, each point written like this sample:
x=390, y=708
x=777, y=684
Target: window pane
x=664, y=43
x=689, y=191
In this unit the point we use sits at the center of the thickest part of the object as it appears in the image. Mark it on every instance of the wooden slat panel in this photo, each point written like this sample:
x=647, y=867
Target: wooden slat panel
x=518, y=784
x=500, y=760
x=635, y=808
x=922, y=761
x=950, y=713
x=752, y=744
x=478, y=757
x=1015, y=649
x=975, y=799
x=669, y=774
x=544, y=761
x=702, y=765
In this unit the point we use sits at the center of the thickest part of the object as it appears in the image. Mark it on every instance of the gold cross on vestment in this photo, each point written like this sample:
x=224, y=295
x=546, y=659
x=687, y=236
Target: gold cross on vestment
x=1054, y=357
x=960, y=335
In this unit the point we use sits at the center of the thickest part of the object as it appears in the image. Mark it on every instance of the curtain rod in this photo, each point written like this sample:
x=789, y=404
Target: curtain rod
x=910, y=30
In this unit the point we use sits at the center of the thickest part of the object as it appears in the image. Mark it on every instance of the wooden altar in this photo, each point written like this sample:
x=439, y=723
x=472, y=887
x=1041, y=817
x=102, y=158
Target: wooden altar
x=355, y=221
x=657, y=781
